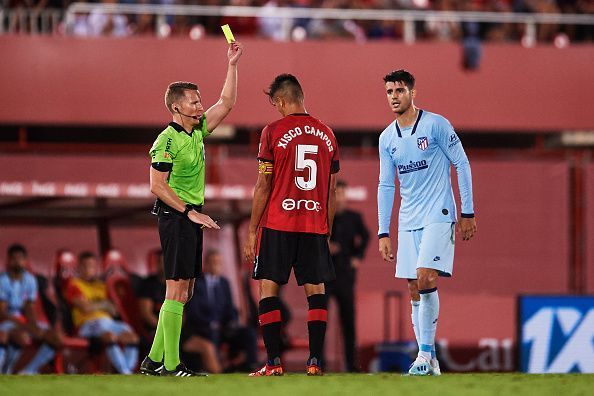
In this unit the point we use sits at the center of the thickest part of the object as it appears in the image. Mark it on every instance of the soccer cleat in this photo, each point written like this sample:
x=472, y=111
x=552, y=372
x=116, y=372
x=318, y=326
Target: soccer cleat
x=181, y=371
x=150, y=367
x=420, y=366
x=435, y=367
x=268, y=371
x=313, y=369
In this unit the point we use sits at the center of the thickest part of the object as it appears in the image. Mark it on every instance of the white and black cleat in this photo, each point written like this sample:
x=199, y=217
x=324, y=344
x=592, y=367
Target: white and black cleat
x=150, y=367
x=181, y=371
x=420, y=367
x=435, y=367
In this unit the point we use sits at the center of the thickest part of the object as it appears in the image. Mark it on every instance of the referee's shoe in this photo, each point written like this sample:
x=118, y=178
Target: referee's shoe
x=150, y=367
x=181, y=371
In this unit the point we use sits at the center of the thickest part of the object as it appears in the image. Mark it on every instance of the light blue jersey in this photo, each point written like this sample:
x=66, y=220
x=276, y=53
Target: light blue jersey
x=17, y=292
x=421, y=155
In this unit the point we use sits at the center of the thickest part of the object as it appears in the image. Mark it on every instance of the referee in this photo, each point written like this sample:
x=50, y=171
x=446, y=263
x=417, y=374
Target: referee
x=177, y=179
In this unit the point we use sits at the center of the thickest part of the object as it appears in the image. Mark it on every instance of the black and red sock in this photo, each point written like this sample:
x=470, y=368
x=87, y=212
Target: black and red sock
x=270, y=323
x=317, y=317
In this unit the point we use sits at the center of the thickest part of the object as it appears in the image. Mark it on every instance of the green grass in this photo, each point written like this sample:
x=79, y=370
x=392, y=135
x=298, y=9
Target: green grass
x=299, y=384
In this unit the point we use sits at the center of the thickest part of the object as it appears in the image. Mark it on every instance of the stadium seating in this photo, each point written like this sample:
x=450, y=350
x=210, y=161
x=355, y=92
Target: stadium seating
x=120, y=290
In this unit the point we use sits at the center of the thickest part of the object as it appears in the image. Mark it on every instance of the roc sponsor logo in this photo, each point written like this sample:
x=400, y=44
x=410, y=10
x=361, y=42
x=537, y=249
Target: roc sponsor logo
x=306, y=204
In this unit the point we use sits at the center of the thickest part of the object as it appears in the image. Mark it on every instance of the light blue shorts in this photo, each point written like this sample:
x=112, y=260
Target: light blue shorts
x=98, y=327
x=428, y=247
x=9, y=325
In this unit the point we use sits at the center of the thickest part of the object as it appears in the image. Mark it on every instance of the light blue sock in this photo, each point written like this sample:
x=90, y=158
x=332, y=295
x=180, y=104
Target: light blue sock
x=44, y=355
x=2, y=356
x=415, y=319
x=433, y=354
x=12, y=357
x=428, y=314
x=116, y=357
x=131, y=356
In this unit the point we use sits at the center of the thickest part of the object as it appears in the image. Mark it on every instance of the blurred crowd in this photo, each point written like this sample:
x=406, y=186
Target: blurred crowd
x=97, y=23
x=93, y=315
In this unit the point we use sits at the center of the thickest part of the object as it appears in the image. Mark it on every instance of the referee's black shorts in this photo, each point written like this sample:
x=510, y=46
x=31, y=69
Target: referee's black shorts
x=307, y=254
x=181, y=241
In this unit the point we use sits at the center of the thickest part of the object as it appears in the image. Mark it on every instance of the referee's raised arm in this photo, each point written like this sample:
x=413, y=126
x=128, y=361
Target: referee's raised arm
x=218, y=111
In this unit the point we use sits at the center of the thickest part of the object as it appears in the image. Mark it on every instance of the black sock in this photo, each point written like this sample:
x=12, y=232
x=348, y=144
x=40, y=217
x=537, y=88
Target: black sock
x=270, y=322
x=316, y=325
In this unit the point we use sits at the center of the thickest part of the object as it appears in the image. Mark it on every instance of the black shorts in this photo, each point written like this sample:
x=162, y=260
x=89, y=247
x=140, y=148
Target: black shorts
x=280, y=251
x=181, y=241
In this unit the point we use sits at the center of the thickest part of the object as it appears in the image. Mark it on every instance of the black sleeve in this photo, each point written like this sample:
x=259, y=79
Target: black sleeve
x=363, y=233
x=162, y=166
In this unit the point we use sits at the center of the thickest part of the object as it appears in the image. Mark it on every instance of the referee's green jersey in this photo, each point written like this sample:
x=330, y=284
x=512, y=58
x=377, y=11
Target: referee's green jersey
x=185, y=152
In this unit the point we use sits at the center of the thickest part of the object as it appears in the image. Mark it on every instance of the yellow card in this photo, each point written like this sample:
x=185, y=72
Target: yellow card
x=228, y=34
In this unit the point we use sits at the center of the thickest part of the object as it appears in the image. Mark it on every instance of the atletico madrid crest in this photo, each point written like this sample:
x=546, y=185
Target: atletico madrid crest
x=422, y=143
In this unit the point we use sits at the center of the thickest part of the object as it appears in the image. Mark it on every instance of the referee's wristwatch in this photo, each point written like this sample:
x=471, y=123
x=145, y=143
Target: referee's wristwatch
x=188, y=209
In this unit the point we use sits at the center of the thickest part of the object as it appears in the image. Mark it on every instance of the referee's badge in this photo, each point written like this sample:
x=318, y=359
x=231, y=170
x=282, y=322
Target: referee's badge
x=422, y=143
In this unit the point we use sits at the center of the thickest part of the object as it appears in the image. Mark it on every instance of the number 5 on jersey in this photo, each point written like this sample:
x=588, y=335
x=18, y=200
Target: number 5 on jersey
x=302, y=163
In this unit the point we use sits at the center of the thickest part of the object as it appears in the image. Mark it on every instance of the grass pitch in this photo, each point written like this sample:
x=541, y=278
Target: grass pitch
x=299, y=384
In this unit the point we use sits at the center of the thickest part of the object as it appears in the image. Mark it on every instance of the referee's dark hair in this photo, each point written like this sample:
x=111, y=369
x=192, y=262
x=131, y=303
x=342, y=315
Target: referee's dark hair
x=16, y=248
x=287, y=86
x=341, y=183
x=175, y=91
x=401, y=76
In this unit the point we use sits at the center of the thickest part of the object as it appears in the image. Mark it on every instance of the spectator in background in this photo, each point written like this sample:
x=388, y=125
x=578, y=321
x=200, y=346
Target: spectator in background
x=546, y=31
x=211, y=320
x=335, y=28
x=347, y=246
x=18, y=320
x=93, y=312
x=242, y=26
x=442, y=30
x=277, y=29
x=472, y=34
x=151, y=294
x=98, y=23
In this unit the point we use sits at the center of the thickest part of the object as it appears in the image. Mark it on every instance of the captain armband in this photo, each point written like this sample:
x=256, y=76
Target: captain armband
x=265, y=168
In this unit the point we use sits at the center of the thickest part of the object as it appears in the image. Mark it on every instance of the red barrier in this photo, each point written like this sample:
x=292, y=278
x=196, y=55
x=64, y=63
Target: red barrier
x=121, y=81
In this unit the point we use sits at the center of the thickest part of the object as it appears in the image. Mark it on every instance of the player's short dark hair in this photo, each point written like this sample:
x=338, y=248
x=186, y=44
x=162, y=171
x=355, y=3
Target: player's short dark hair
x=401, y=76
x=287, y=86
x=341, y=183
x=85, y=256
x=176, y=91
x=16, y=248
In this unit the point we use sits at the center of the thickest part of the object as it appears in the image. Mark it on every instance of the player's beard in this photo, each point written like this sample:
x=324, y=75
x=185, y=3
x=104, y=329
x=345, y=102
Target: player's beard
x=401, y=110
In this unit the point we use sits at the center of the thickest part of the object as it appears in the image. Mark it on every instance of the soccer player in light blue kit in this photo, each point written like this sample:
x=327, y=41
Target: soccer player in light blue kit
x=418, y=147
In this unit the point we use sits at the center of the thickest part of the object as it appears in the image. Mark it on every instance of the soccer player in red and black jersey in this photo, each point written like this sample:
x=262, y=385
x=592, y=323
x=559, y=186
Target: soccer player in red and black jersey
x=292, y=213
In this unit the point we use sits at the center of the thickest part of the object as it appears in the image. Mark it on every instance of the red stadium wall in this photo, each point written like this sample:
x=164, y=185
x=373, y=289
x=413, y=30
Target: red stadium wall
x=121, y=82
